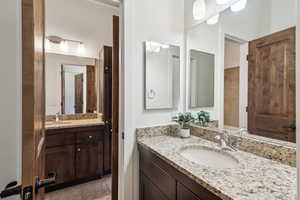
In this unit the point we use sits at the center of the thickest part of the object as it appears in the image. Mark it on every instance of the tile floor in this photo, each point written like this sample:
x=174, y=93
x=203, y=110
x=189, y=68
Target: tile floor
x=94, y=190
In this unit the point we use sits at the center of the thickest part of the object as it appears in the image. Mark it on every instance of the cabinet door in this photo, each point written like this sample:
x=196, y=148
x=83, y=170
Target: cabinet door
x=61, y=160
x=88, y=160
x=183, y=193
x=149, y=191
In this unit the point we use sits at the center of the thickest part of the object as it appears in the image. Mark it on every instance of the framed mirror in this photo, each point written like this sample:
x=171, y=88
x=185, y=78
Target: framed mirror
x=162, y=75
x=202, y=69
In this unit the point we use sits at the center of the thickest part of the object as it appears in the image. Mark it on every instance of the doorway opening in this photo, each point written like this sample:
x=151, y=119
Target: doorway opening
x=81, y=70
x=232, y=97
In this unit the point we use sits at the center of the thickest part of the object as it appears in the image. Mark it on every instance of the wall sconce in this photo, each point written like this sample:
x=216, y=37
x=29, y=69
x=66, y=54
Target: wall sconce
x=63, y=43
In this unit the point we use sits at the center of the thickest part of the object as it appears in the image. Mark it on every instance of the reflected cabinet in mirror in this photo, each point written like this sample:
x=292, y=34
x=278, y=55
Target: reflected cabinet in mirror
x=202, y=67
x=162, y=75
x=255, y=59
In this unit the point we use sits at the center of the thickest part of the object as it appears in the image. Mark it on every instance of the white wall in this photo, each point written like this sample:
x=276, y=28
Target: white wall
x=10, y=103
x=156, y=20
x=232, y=54
x=80, y=20
x=53, y=78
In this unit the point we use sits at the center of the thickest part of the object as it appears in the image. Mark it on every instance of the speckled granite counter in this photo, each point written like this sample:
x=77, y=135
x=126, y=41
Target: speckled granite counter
x=255, y=178
x=73, y=123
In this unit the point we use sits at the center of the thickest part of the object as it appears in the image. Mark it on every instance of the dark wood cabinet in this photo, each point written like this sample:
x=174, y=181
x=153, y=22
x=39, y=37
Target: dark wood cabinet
x=87, y=160
x=149, y=191
x=183, y=193
x=61, y=160
x=160, y=181
x=75, y=154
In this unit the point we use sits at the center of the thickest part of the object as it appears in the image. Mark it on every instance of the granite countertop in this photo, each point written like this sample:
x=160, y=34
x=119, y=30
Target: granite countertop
x=73, y=123
x=255, y=178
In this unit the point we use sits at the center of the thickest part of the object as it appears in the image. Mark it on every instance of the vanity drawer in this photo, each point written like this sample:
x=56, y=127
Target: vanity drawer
x=89, y=136
x=60, y=139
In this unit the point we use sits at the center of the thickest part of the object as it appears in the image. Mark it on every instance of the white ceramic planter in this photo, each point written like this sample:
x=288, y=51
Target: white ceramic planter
x=185, y=133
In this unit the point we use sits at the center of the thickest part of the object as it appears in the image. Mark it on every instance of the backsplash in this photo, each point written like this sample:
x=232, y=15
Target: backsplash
x=75, y=116
x=263, y=147
x=285, y=153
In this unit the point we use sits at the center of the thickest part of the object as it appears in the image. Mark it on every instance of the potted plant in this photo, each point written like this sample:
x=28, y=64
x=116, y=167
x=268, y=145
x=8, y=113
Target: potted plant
x=184, y=120
x=203, y=118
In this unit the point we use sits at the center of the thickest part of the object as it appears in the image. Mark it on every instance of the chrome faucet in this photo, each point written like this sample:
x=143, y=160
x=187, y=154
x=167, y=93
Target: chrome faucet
x=224, y=141
x=57, y=117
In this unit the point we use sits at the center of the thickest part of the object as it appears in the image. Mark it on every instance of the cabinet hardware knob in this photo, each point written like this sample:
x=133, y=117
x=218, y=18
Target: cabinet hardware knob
x=90, y=137
x=78, y=149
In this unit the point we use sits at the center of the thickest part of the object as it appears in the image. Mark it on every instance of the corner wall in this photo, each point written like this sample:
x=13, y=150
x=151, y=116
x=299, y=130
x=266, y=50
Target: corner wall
x=161, y=21
x=10, y=87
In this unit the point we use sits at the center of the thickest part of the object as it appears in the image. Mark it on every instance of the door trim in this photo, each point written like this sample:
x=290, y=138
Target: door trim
x=115, y=108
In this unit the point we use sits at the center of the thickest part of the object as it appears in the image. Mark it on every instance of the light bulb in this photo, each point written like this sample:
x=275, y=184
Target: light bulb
x=199, y=9
x=213, y=20
x=64, y=46
x=81, y=48
x=47, y=44
x=221, y=2
x=238, y=6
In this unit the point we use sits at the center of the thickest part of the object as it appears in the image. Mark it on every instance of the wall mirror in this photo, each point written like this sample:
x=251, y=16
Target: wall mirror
x=202, y=67
x=70, y=88
x=162, y=75
x=254, y=49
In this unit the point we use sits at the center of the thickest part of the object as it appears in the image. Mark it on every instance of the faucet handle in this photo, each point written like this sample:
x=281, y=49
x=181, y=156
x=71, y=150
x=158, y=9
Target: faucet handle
x=218, y=137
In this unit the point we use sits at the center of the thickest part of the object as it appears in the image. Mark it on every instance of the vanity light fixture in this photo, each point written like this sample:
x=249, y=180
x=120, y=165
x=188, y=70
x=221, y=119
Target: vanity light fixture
x=213, y=20
x=238, y=6
x=199, y=9
x=81, y=48
x=155, y=47
x=222, y=2
x=47, y=44
x=64, y=46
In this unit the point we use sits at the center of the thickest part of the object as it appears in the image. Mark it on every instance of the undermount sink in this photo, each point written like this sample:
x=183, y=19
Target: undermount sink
x=209, y=157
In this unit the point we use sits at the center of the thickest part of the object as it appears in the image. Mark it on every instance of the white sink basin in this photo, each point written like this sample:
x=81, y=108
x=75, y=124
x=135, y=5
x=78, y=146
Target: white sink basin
x=209, y=157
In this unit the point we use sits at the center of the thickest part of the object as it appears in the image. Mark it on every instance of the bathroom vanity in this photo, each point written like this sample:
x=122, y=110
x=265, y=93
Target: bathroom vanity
x=78, y=151
x=166, y=173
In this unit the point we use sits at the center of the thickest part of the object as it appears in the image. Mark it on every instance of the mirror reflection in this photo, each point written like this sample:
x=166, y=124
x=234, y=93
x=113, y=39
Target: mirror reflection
x=254, y=52
x=202, y=66
x=162, y=75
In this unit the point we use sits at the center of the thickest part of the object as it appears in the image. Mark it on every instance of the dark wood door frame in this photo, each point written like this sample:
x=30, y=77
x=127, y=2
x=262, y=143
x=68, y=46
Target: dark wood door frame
x=33, y=93
x=115, y=108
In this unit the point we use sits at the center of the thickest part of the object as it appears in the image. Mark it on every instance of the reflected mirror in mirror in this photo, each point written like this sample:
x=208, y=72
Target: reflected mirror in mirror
x=162, y=75
x=71, y=88
x=202, y=67
x=255, y=57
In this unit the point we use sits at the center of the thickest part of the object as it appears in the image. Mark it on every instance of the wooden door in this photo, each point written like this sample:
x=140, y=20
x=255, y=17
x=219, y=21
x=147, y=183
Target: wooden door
x=78, y=93
x=61, y=160
x=115, y=108
x=91, y=98
x=33, y=95
x=271, y=110
x=232, y=96
x=107, y=108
